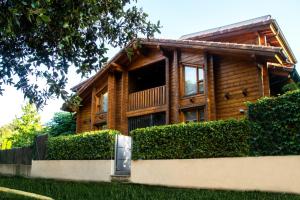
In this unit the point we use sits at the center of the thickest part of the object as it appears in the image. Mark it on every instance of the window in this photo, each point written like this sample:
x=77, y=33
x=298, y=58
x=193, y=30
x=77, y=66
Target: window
x=193, y=80
x=102, y=126
x=102, y=102
x=154, y=119
x=194, y=115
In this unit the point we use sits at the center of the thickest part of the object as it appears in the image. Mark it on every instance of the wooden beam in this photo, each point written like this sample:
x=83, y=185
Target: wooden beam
x=174, y=87
x=265, y=81
x=167, y=71
x=212, y=113
x=111, y=89
x=78, y=121
x=93, y=108
x=262, y=39
x=207, y=104
x=278, y=59
x=124, y=102
x=117, y=67
x=276, y=33
x=146, y=111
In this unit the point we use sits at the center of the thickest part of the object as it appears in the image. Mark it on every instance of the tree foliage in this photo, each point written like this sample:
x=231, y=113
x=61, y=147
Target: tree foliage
x=22, y=130
x=62, y=123
x=40, y=39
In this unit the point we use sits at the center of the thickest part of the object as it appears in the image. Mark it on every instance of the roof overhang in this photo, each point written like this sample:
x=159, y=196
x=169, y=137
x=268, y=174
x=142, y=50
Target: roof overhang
x=210, y=47
x=282, y=41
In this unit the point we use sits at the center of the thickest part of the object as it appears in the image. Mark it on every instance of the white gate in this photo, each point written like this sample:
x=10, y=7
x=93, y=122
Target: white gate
x=122, y=155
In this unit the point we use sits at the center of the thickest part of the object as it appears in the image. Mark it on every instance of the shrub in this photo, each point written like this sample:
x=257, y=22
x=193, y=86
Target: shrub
x=62, y=123
x=275, y=125
x=97, y=145
x=192, y=140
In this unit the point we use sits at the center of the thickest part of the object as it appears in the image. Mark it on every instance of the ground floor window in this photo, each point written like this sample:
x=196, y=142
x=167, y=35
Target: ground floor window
x=194, y=115
x=154, y=119
x=101, y=126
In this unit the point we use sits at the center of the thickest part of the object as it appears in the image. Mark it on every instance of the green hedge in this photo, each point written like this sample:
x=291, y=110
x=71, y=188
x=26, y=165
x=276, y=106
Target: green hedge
x=192, y=140
x=98, y=145
x=275, y=125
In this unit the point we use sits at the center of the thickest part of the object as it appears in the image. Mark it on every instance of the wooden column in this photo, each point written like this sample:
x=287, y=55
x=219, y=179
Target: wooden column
x=207, y=109
x=262, y=40
x=174, y=90
x=93, y=108
x=265, y=81
x=111, y=114
x=78, y=121
x=124, y=103
x=211, y=101
x=167, y=70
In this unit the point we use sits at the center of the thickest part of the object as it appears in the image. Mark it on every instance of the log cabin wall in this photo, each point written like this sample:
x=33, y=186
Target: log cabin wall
x=236, y=81
x=224, y=75
x=83, y=117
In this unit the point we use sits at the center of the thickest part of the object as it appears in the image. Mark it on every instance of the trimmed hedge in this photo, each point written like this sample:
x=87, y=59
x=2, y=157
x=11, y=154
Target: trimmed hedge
x=275, y=125
x=97, y=145
x=192, y=140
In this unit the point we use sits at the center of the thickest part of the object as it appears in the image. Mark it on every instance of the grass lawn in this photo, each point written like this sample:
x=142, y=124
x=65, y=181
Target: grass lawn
x=78, y=190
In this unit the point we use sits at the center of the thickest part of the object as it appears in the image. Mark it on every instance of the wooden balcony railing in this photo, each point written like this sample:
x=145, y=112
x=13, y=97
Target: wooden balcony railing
x=147, y=98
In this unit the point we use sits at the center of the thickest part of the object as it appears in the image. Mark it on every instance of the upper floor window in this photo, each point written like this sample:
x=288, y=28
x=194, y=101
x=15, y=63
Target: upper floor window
x=194, y=115
x=193, y=80
x=102, y=102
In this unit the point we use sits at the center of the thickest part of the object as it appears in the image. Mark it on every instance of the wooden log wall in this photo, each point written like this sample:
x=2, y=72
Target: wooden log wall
x=236, y=81
x=84, y=117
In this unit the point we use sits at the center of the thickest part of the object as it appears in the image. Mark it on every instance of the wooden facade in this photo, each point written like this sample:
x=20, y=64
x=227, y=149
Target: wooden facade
x=204, y=76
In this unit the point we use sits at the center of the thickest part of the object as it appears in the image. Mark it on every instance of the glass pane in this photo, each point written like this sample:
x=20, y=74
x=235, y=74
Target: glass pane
x=200, y=74
x=201, y=87
x=190, y=78
x=105, y=102
x=201, y=114
x=190, y=116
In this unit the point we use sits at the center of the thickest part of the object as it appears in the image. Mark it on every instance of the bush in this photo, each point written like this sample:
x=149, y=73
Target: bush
x=192, y=140
x=97, y=145
x=275, y=125
x=62, y=123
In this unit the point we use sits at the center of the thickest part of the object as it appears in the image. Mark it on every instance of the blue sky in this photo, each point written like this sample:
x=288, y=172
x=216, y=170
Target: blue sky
x=178, y=18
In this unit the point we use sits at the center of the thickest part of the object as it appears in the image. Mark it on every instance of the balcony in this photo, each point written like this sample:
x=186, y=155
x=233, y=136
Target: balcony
x=153, y=97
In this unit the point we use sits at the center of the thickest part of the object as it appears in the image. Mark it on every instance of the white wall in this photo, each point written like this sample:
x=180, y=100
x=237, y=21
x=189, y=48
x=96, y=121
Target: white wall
x=79, y=170
x=15, y=170
x=280, y=173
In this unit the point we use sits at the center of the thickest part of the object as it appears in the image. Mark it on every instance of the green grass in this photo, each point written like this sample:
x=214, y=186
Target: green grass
x=79, y=190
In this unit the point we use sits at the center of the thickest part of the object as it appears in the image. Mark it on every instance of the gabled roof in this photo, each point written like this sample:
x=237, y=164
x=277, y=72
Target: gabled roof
x=79, y=85
x=209, y=45
x=219, y=30
x=189, y=44
x=246, y=25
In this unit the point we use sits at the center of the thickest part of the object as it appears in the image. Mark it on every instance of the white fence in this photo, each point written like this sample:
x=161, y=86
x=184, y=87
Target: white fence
x=78, y=170
x=277, y=174
x=271, y=173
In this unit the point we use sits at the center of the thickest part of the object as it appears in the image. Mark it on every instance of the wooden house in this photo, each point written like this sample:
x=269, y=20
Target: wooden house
x=207, y=75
